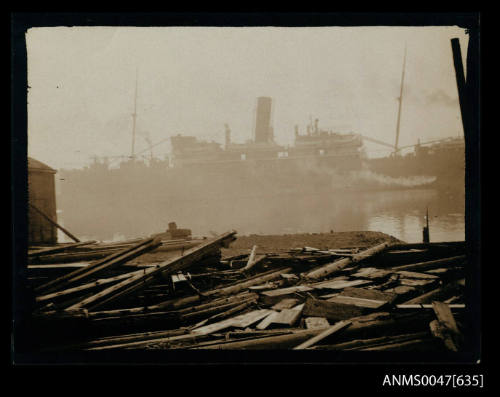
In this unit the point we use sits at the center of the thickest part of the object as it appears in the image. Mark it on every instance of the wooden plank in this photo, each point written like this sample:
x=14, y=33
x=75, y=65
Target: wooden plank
x=359, y=302
x=330, y=268
x=408, y=274
x=270, y=297
x=241, y=321
x=316, y=323
x=371, y=273
x=330, y=310
x=62, y=247
x=401, y=290
x=329, y=331
x=439, y=331
x=338, y=284
x=415, y=283
x=429, y=306
x=286, y=303
x=432, y=264
x=268, y=342
x=366, y=293
x=287, y=317
x=267, y=320
x=438, y=293
x=445, y=317
x=150, y=274
x=48, y=218
x=103, y=281
x=362, y=343
x=247, y=319
x=109, y=261
x=263, y=287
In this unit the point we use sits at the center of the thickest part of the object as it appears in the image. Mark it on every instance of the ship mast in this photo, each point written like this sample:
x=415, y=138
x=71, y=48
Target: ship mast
x=134, y=116
x=400, y=99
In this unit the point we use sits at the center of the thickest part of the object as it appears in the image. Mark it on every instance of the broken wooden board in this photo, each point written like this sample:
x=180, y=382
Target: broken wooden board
x=407, y=274
x=401, y=290
x=366, y=293
x=149, y=275
x=432, y=264
x=286, y=303
x=316, y=322
x=335, y=266
x=329, y=331
x=263, y=287
x=415, y=282
x=429, y=306
x=270, y=297
x=338, y=284
x=267, y=320
x=371, y=273
x=439, y=331
x=58, y=248
x=241, y=321
x=445, y=317
x=330, y=310
x=286, y=317
x=359, y=302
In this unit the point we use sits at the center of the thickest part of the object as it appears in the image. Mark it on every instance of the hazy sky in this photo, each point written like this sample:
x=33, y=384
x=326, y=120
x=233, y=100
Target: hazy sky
x=192, y=80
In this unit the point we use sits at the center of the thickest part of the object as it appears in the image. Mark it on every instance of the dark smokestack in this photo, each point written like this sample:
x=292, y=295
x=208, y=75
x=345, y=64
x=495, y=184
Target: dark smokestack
x=228, y=135
x=263, y=120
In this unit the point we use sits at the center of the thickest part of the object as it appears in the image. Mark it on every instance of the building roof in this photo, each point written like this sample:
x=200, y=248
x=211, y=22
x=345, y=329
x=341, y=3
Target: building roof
x=35, y=165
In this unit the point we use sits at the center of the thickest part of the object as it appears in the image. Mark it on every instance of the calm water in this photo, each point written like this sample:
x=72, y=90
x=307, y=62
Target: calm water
x=399, y=213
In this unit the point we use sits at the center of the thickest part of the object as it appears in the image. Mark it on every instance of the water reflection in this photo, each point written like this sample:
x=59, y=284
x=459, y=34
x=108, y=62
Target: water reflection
x=400, y=213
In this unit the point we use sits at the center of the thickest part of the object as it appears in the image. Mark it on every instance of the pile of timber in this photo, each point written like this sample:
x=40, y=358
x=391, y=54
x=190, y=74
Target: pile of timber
x=385, y=297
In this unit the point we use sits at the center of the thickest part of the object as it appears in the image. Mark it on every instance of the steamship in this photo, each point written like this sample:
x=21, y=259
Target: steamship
x=320, y=162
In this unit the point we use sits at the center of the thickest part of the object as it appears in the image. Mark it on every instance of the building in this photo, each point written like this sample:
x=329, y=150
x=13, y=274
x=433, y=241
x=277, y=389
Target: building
x=42, y=196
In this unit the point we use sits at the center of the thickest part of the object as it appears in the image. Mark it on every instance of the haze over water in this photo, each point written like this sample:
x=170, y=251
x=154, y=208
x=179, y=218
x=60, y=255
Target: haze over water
x=400, y=213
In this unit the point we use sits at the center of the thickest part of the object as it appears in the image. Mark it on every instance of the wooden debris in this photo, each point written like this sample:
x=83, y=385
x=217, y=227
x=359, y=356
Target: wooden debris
x=60, y=248
x=270, y=297
x=140, y=281
x=330, y=268
x=359, y=302
x=194, y=300
x=316, y=323
x=286, y=303
x=330, y=310
x=366, y=293
x=329, y=331
x=338, y=284
x=432, y=264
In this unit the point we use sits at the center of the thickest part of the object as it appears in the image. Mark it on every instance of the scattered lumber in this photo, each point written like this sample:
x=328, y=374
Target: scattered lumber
x=185, y=296
x=330, y=268
x=141, y=280
x=50, y=220
x=61, y=247
x=315, y=339
x=107, y=263
x=454, y=260
x=316, y=322
x=332, y=311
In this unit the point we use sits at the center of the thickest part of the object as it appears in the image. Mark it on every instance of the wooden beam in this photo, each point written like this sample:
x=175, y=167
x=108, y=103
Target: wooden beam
x=44, y=215
x=59, y=248
x=330, y=310
x=106, y=263
x=169, y=266
x=431, y=264
x=329, y=331
x=330, y=268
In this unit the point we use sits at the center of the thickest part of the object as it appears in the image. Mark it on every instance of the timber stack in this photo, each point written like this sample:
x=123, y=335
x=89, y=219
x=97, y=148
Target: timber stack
x=387, y=296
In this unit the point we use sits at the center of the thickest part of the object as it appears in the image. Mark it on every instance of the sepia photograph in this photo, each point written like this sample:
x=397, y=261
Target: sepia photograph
x=195, y=188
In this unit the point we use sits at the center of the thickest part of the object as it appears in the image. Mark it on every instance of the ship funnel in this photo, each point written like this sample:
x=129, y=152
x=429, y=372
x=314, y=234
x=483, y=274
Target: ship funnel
x=228, y=135
x=263, y=120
